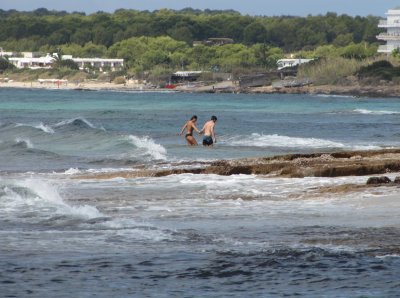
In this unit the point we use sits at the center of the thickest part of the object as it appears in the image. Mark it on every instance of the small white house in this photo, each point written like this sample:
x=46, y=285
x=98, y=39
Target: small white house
x=31, y=61
x=285, y=63
x=100, y=63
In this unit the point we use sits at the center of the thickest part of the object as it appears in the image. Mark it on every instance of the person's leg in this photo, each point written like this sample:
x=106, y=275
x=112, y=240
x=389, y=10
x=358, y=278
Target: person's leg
x=191, y=141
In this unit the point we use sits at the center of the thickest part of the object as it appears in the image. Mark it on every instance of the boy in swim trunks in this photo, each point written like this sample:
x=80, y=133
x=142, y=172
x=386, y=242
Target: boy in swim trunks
x=209, y=134
x=190, y=126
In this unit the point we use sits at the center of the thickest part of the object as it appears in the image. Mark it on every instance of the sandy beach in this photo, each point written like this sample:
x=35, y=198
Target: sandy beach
x=87, y=85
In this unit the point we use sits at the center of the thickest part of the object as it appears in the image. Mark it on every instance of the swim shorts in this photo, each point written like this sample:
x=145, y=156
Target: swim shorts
x=207, y=141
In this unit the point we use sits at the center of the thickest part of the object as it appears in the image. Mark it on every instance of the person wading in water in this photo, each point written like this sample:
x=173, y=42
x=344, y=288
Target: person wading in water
x=190, y=126
x=209, y=134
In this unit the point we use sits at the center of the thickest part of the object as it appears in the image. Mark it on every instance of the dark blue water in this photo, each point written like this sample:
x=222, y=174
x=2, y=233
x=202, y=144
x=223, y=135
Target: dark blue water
x=190, y=235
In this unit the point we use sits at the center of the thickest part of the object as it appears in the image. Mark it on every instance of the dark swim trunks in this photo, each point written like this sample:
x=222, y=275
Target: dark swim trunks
x=207, y=141
x=188, y=135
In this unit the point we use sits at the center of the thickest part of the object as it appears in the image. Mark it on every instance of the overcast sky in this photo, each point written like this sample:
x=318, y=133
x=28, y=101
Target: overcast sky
x=252, y=7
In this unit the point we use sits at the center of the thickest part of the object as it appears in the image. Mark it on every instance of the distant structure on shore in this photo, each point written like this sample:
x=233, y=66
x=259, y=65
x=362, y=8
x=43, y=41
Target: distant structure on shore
x=185, y=76
x=214, y=41
x=36, y=61
x=392, y=35
x=288, y=63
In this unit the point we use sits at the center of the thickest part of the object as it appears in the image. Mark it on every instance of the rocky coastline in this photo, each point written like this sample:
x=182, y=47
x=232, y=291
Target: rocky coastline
x=334, y=164
x=383, y=90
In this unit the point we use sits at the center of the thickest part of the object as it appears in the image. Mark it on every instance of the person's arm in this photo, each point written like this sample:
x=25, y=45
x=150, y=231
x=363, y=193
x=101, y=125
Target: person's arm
x=196, y=129
x=213, y=134
x=202, y=130
x=183, y=128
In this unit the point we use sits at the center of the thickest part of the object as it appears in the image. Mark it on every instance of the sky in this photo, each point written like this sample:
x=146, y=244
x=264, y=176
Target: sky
x=251, y=7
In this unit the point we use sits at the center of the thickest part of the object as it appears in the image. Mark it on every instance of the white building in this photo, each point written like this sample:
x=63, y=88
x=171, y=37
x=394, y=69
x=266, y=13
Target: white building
x=392, y=34
x=284, y=63
x=31, y=61
x=99, y=63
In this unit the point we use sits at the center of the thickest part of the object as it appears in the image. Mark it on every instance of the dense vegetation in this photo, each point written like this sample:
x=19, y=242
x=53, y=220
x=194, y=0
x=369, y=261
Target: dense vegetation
x=161, y=41
x=379, y=70
x=33, y=30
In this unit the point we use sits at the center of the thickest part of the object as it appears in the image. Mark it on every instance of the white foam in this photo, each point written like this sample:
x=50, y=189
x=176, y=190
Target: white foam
x=334, y=96
x=24, y=141
x=41, y=126
x=44, y=128
x=388, y=256
x=260, y=140
x=72, y=171
x=44, y=195
x=75, y=171
x=156, y=151
x=365, y=111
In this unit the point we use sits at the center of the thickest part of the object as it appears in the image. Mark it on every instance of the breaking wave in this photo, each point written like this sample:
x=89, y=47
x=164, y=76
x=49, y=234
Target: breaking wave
x=39, y=203
x=23, y=143
x=41, y=126
x=364, y=111
x=149, y=147
x=42, y=199
x=260, y=140
x=76, y=122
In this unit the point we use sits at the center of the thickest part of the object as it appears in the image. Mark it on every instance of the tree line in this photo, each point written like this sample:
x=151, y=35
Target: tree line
x=164, y=38
x=41, y=27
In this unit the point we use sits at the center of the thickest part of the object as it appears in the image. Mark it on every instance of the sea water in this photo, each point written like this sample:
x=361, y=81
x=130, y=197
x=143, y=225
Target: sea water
x=190, y=235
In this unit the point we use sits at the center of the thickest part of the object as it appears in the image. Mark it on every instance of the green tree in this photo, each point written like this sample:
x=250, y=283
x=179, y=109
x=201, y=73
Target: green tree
x=5, y=64
x=343, y=40
x=67, y=63
x=254, y=33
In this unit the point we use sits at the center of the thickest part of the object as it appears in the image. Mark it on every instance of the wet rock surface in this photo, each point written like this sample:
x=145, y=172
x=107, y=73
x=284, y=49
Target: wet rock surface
x=335, y=164
x=378, y=180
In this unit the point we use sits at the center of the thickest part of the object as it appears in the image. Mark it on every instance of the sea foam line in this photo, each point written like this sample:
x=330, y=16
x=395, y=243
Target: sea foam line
x=260, y=140
x=365, y=111
x=275, y=140
x=41, y=126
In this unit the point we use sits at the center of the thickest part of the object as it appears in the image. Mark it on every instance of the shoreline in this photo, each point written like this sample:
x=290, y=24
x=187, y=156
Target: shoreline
x=381, y=91
x=386, y=91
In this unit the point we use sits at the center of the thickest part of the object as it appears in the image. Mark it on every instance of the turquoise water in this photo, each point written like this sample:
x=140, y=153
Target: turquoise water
x=190, y=235
x=95, y=129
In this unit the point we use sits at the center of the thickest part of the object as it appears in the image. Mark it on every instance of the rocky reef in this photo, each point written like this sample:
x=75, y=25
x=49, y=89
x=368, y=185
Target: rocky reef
x=334, y=164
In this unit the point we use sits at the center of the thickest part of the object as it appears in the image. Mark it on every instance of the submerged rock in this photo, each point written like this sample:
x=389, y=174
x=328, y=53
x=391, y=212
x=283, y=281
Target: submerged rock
x=378, y=180
x=397, y=180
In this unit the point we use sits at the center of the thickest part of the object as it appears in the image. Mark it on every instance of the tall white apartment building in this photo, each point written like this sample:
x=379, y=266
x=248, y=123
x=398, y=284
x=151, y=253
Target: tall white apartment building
x=392, y=34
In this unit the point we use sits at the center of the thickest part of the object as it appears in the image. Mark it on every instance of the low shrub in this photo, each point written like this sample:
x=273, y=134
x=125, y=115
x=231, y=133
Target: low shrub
x=119, y=80
x=379, y=70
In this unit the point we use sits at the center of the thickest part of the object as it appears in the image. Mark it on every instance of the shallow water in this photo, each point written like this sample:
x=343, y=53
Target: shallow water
x=190, y=235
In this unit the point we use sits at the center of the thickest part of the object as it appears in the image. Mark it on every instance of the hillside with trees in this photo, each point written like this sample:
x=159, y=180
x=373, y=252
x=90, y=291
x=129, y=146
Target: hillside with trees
x=162, y=41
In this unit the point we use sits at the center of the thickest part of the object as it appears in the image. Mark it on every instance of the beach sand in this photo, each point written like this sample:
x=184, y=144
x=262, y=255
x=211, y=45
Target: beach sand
x=87, y=85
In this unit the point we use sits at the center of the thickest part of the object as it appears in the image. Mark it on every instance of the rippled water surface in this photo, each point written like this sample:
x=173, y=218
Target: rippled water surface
x=190, y=235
